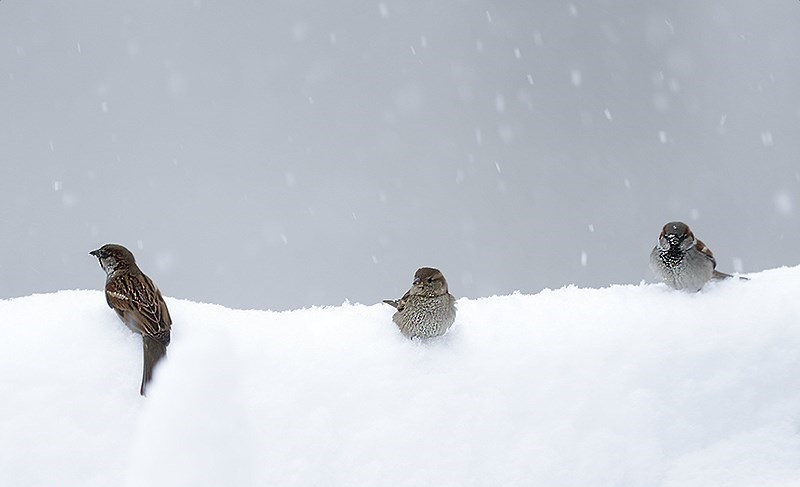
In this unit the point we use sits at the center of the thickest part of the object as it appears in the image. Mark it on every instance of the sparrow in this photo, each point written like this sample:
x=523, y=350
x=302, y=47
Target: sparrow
x=682, y=261
x=427, y=309
x=138, y=303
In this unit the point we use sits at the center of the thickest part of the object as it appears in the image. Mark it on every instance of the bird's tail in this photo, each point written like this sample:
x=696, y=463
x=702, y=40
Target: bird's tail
x=153, y=352
x=390, y=302
x=721, y=275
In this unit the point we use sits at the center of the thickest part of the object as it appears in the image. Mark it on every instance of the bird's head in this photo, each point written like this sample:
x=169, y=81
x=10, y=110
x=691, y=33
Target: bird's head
x=114, y=257
x=676, y=237
x=429, y=282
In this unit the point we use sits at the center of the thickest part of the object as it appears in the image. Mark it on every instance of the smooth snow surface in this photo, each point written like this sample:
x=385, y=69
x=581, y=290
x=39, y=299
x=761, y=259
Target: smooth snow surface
x=621, y=386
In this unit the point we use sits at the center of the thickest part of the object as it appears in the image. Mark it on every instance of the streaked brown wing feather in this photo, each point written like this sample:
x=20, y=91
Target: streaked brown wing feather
x=703, y=249
x=401, y=303
x=136, y=298
x=118, y=297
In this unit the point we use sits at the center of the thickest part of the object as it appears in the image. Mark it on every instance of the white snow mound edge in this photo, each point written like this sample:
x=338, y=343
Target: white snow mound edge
x=620, y=386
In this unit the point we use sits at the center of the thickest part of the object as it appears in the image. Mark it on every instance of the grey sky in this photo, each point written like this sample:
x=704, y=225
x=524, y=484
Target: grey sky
x=283, y=154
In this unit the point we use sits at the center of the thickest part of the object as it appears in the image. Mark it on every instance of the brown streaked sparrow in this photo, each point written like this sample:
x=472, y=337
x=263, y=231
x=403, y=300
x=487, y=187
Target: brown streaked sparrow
x=138, y=303
x=681, y=260
x=427, y=309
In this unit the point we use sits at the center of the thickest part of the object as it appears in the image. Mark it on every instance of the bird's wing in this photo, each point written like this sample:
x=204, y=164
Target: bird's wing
x=401, y=303
x=136, y=298
x=703, y=249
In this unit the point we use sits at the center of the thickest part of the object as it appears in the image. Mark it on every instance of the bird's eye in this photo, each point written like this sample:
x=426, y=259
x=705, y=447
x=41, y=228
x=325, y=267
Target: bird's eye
x=430, y=280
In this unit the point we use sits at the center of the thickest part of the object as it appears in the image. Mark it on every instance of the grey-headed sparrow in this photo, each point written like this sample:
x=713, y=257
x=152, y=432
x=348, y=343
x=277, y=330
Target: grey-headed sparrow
x=681, y=260
x=138, y=303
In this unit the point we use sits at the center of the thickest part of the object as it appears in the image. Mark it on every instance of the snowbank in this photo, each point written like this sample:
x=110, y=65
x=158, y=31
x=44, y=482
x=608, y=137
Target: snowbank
x=621, y=386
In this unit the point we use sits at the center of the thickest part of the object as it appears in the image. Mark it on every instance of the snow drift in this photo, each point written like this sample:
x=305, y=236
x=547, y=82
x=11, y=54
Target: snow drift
x=621, y=386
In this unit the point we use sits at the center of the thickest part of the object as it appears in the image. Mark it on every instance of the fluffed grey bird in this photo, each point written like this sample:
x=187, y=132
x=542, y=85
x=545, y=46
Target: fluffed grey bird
x=427, y=309
x=681, y=260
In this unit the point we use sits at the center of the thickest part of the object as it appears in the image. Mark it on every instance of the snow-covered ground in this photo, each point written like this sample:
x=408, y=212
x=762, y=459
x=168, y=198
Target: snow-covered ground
x=620, y=386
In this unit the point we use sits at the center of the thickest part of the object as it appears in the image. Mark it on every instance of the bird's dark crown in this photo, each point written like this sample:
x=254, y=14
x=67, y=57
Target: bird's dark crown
x=674, y=233
x=113, y=251
x=678, y=229
x=114, y=257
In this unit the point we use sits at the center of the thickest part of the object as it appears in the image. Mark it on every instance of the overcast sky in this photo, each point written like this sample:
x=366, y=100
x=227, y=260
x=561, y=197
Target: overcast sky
x=285, y=154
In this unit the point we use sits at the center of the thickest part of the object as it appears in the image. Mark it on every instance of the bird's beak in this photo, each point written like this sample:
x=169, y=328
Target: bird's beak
x=95, y=253
x=417, y=280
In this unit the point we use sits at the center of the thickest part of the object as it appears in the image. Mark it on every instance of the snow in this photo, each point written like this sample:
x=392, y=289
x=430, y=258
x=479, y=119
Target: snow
x=622, y=386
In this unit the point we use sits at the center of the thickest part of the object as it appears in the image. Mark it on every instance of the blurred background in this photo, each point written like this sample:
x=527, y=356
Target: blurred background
x=291, y=153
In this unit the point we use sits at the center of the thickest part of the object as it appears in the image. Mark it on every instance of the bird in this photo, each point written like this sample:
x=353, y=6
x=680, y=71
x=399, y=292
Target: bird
x=138, y=303
x=682, y=261
x=426, y=310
